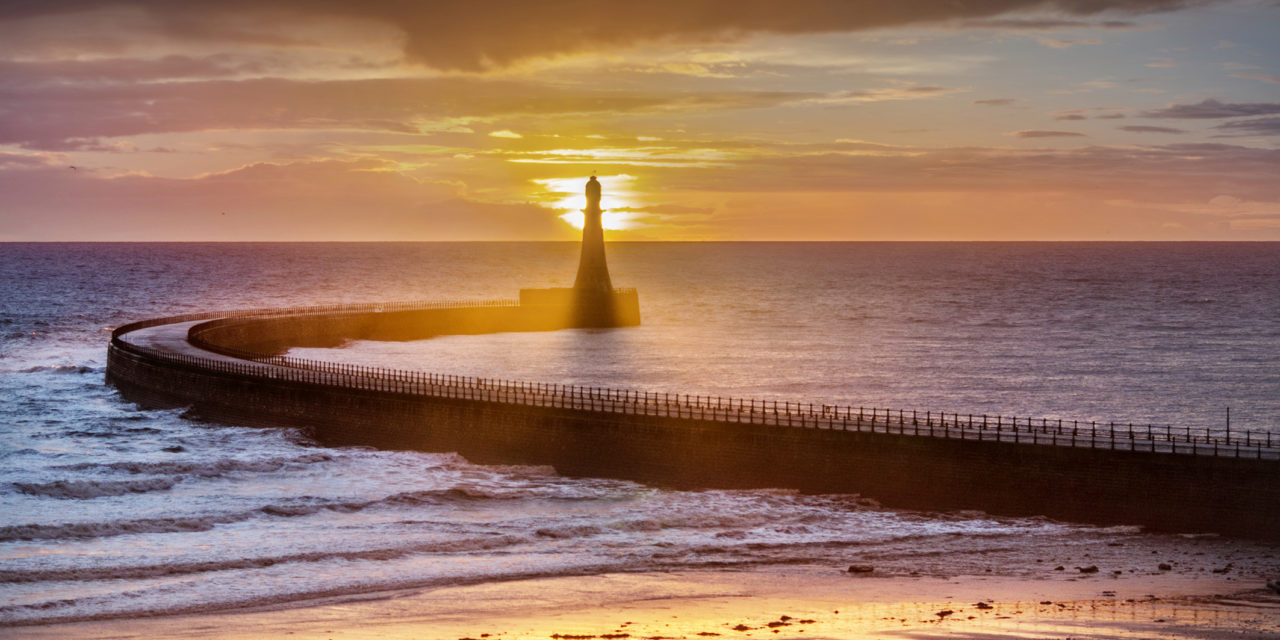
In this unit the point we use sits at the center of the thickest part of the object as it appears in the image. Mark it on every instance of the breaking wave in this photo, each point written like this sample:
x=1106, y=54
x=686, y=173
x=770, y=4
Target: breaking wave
x=89, y=489
x=139, y=572
x=203, y=469
x=300, y=508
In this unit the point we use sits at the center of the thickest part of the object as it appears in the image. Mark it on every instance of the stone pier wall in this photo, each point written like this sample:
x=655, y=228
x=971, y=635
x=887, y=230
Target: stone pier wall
x=1164, y=491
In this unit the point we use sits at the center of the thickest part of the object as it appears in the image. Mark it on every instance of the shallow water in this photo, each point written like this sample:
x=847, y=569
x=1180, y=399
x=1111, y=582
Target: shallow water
x=110, y=509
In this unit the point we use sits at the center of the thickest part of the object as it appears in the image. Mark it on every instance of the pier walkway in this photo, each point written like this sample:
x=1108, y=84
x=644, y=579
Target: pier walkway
x=232, y=367
x=180, y=341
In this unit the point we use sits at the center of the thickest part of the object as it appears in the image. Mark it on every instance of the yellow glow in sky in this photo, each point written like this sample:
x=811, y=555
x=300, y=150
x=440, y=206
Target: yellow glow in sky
x=568, y=195
x=1012, y=120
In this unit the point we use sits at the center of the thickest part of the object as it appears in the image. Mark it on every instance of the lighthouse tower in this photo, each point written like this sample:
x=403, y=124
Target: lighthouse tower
x=592, y=301
x=593, y=272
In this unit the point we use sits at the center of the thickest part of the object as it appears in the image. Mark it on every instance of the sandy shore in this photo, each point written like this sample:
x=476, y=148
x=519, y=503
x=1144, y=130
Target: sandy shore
x=791, y=602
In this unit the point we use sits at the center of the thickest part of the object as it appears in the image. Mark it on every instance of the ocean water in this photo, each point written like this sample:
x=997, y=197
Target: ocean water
x=108, y=509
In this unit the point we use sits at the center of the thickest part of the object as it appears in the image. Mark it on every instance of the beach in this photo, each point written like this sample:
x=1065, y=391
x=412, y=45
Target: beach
x=793, y=602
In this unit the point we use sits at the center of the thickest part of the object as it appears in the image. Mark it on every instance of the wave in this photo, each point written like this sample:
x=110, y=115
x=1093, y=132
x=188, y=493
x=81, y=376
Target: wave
x=89, y=489
x=200, y=469
x=139, y=572
x=77, y=609
x=171, y=472
x=198, y=523
x=61, y=368
x=571, y=531
x=116, y=433
x=60, y=531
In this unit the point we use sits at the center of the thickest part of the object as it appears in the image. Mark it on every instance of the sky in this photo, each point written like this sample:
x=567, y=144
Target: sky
x=306, y=120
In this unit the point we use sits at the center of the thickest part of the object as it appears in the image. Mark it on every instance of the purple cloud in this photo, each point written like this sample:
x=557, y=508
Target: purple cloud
x=1214, y=109
x=1138, y=128
x=1047, y=134
x=1255, y=127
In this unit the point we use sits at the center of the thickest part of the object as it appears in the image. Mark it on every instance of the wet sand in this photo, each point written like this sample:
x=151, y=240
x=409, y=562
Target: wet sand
x=791, y=602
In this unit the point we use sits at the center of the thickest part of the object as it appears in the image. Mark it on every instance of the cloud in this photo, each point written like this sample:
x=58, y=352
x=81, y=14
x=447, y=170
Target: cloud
x=505, y=133
x=693, y=69
x=666, y=209
x=1243, y=214
x=17, y=160
x=1071, y=116
x=1067, y=43
x=1211, y=108
x=880, y=95
x=1034, y=133
x=371, y=200
x=1264, y=77
x=1047, y=24
x=320, y=200
x=1173, y=172
x=38, y=73
x=997, y=102
x=1139, y=128
x=75, y=116
x=1256, y=127
x=483, y=34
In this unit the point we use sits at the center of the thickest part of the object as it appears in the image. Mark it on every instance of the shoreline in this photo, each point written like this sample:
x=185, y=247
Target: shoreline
x=794, y=601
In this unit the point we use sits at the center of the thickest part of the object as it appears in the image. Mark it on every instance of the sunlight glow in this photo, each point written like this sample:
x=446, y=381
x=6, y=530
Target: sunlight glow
x=567, y=195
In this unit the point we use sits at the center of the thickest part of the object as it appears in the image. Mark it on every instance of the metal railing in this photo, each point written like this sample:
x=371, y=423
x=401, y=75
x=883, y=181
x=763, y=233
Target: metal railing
x=782, y=414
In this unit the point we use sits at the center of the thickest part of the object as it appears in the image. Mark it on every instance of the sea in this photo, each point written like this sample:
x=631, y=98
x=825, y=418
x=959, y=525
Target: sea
x=109, y=509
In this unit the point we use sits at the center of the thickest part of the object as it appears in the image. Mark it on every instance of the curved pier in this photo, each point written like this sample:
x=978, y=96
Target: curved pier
x=230, y=367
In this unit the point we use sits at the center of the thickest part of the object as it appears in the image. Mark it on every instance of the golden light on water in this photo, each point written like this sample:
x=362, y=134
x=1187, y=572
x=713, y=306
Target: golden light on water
x=618, y=200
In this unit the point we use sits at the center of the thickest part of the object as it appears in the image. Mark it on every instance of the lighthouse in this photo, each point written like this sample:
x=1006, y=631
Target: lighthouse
x=593, y=271
x=591, y=301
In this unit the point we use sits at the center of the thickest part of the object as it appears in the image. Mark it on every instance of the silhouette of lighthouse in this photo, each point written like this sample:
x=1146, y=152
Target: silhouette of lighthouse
x=592, y=301
x=593, y=272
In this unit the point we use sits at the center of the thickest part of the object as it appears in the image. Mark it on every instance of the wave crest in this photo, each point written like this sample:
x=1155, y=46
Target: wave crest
x=89, y=489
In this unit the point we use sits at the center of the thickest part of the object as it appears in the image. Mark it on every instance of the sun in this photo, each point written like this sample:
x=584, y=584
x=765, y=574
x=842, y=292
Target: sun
x=566, y=194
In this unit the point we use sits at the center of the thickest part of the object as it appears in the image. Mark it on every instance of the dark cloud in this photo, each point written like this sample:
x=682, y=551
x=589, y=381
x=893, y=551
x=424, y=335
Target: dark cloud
x=1033, y=24
x=996, y=102
x=1214, y=109
x=1255, y=127
x=1110, y=116
x=1138, y=128
x=479, y=34
x=1035, y=133
x=1071, y=116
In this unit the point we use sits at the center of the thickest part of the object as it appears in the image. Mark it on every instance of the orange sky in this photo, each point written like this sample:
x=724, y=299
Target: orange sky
x=705, y=119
